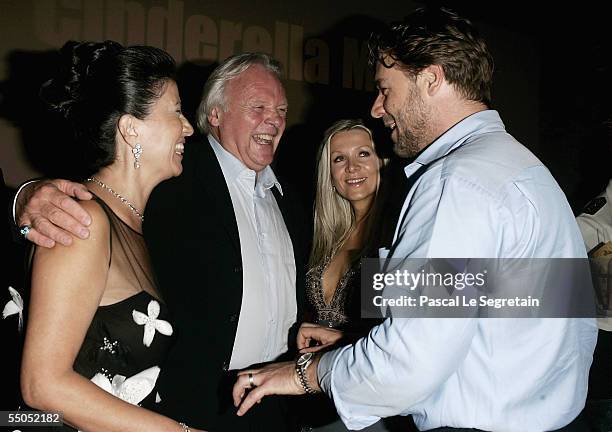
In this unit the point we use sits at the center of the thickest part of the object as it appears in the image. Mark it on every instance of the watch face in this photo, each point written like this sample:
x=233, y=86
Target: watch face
x=304, y=358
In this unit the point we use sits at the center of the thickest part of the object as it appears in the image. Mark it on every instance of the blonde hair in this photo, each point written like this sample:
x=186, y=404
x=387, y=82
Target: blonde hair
x=334, y=218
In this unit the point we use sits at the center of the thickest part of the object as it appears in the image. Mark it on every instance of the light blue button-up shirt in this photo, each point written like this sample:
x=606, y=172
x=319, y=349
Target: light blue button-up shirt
x=490, y=198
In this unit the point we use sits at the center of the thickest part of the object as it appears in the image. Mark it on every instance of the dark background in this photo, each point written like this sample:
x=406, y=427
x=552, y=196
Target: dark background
x=552, y=88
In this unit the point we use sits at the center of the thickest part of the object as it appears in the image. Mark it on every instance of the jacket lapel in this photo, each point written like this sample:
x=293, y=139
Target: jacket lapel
x=210, y=178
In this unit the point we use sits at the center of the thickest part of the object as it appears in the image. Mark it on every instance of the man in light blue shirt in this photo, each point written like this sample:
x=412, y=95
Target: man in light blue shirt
x=475, y=193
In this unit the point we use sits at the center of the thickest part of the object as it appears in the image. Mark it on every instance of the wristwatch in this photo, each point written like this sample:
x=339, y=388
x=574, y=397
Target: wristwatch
x=301, y=364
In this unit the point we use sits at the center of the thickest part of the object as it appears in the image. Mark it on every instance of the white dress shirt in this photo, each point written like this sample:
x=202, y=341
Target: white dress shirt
x=491, y=198
x=269, y=305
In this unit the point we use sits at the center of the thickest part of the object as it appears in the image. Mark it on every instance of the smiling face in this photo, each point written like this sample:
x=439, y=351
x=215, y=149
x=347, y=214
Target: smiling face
x=354, y=166
x=162, y=134
x=253, y=120
x=402, y=109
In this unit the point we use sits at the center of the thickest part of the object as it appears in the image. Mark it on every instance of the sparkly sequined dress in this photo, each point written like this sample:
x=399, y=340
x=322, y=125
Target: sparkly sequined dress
x=127, y=341
x=342, y=312
x=335, y=313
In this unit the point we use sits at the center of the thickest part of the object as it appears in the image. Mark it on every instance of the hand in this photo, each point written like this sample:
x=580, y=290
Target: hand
x=47, y=207
x=324, y=336
x=274, y=379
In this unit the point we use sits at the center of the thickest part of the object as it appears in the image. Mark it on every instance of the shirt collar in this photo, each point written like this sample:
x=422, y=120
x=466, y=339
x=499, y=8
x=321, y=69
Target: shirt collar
x=266, y=180
x=233, y=168
x=477, y=123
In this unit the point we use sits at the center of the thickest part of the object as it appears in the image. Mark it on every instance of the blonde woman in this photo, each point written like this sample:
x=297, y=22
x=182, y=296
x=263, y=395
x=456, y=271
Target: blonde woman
x=348, y=179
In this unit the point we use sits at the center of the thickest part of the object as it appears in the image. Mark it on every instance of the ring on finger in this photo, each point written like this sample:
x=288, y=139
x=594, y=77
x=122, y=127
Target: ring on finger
x=251, y=381
x=24, y=230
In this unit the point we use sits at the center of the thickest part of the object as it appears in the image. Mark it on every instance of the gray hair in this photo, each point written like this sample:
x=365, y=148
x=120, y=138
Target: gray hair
x=214, y=89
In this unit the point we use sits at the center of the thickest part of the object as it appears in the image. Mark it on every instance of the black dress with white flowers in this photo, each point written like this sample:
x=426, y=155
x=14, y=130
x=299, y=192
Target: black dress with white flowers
x=127, y=341
x=125, y=347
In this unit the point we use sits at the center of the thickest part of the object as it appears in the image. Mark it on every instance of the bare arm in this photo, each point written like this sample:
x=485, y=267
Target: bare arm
x=49, y=208
x=67, y=285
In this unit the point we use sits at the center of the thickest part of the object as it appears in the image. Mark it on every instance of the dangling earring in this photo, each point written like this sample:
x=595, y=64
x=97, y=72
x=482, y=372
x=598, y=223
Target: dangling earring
x=332, y=188
x=137, y=151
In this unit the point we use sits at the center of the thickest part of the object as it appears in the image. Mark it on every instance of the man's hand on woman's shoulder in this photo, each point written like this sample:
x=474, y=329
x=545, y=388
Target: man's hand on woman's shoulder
x=49, y=208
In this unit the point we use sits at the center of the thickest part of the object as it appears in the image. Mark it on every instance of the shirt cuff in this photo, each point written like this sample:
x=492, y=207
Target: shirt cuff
x=325, y=368
x=352, y=420
x=17, y=196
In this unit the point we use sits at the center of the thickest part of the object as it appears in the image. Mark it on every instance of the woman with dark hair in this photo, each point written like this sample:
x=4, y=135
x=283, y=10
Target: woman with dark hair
x=98, y=330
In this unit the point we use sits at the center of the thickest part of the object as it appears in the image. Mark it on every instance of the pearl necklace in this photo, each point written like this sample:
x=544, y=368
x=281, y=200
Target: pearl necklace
x=116, y=195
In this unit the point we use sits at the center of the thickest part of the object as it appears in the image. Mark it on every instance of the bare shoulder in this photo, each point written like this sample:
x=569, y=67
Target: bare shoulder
x=55, y=267
x=96, y=245
x=100, y=224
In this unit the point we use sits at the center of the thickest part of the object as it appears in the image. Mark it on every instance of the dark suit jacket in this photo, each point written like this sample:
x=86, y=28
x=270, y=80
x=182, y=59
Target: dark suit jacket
x=192, y=234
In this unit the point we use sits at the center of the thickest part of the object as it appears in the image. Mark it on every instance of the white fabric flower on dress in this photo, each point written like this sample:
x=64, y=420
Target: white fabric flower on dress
x=14, y=306
x=133, y=389
x=151, y=323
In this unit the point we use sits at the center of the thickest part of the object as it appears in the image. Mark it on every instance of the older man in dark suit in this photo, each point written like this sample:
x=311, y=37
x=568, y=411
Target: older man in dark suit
x=225, y=239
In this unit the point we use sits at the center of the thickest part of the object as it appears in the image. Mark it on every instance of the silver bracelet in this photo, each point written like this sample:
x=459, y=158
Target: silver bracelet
x=185, y=427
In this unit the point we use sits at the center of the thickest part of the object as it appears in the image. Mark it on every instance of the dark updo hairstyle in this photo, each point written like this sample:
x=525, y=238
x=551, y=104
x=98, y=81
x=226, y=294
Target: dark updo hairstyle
x=97, y=83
